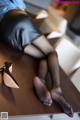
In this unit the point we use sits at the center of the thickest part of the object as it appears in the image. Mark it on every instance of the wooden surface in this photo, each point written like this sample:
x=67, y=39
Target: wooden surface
x=23, y=101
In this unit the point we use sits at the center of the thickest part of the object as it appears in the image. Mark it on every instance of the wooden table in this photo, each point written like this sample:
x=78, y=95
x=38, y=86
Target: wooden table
x=23, y=101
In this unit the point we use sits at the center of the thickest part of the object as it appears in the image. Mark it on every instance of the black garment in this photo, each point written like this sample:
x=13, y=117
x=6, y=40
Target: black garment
x=74, y=25
x=18, y=30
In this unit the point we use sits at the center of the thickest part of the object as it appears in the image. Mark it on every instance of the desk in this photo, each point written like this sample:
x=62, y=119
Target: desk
x=22, y=101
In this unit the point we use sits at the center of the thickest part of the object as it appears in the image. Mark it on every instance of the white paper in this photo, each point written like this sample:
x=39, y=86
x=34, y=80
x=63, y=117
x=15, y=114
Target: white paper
x=54, y=34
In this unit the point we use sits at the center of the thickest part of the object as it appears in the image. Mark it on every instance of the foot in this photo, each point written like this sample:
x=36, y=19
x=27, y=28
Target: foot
x=59, y=98
x=42, y=92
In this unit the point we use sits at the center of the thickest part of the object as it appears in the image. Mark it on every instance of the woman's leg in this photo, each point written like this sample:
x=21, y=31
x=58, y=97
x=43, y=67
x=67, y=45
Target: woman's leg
x=43, y=44
x=56, y=91
x=39, y=84
x=33, y=51
x=53, y=67
x=42, y=69
x=39, y=80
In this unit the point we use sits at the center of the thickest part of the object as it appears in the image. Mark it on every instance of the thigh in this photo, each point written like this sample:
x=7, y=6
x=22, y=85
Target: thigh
x=33, y=51
x=43, y=44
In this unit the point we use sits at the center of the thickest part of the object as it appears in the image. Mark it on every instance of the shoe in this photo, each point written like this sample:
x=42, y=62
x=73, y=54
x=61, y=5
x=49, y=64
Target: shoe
x=8, y=66
x=7, y=77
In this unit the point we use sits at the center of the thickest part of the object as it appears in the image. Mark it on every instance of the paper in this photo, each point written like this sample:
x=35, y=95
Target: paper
x=54, y=35
x=68, y=55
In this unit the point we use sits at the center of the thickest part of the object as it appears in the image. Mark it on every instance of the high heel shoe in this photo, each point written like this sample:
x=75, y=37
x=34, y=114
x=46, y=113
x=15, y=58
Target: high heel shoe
x=8, y=66
x=7, y=77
